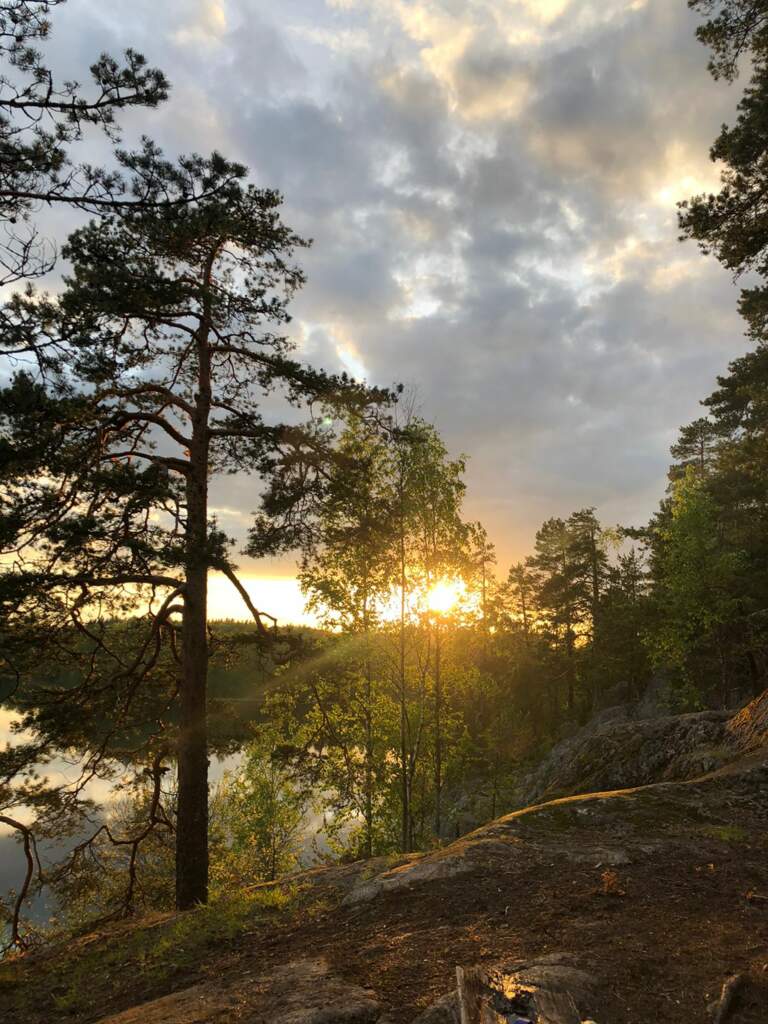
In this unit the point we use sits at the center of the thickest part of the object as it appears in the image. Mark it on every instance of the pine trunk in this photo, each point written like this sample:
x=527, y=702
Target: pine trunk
x=192, y=818
x=192, y=815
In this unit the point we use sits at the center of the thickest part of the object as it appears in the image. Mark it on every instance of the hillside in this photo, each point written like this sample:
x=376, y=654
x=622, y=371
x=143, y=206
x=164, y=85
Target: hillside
x=633, y=904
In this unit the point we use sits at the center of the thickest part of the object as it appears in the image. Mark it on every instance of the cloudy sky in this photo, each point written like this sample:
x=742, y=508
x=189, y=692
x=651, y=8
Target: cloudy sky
x=491, y=188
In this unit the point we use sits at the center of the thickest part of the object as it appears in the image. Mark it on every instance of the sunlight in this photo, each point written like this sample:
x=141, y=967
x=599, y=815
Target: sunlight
x=444, y=595
x=281, y=596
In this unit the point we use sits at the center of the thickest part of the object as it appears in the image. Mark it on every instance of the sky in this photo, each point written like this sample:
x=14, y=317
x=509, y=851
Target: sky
x=490, y=186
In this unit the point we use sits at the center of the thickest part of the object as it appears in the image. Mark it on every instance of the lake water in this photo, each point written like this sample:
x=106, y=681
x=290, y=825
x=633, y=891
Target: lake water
x=101, y=791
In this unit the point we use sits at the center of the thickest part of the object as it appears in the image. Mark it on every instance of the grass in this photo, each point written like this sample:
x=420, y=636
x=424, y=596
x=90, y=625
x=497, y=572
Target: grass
x=103, y=970
x=726, y=833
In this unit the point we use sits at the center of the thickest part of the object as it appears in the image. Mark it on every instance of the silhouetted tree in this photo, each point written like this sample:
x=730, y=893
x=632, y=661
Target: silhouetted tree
x=167, y=340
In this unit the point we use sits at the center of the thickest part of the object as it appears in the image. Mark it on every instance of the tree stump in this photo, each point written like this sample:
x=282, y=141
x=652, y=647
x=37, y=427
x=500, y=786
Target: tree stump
x=490, y=997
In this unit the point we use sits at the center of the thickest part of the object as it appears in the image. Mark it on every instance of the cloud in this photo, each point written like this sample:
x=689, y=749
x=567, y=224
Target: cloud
x=491, y=188
x=208, y=24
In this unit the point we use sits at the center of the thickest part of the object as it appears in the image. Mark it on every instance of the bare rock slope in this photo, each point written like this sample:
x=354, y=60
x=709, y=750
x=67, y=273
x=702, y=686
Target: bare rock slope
x=637, y=745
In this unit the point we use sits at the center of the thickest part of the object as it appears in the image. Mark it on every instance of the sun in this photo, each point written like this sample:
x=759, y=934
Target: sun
x=444, y=595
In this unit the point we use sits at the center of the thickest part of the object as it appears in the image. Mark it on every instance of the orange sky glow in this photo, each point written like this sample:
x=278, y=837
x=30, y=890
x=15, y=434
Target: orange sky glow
x=278, y=595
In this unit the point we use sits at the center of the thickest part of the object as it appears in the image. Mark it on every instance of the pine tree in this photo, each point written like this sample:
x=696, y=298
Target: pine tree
x=42, y=121
x=696, y=446
x=166, y=340
x=560, y=594
x=732, y=223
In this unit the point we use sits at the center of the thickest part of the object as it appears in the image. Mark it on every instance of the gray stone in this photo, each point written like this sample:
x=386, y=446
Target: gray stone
x=302, y=992
x=428, y=869
x=614, y=754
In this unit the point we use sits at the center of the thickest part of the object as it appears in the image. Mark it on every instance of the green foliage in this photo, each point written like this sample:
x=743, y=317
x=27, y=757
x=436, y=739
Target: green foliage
x=731, y=224
x=339, y=737
x=707, y=547
x=258, y=816
x=348, y=563
x=257, y=820
x=697, y=592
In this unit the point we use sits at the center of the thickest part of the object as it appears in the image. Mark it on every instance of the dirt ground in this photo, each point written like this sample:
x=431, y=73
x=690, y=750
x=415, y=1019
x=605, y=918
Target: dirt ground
x=661, y=924
x=662, y=944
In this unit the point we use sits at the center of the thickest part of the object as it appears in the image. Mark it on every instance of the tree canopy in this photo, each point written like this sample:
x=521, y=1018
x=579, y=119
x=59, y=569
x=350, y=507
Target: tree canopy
x=733, y=223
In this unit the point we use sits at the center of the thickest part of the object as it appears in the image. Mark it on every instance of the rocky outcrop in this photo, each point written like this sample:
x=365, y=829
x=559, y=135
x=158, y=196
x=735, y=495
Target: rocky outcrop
x=638, y=744
x=302, y=992
x=603, y=829
x=748, y=729
x=614, y=753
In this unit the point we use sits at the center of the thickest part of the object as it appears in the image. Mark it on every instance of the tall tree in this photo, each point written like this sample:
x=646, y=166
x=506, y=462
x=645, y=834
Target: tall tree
x=348, y=568
x=696, y=446
x=560, y=594
x=482, y=558
x=588, y=544
x=517, y=599
x=624, y=619
x=696, y=585
x=438, y=556
x=169, y=337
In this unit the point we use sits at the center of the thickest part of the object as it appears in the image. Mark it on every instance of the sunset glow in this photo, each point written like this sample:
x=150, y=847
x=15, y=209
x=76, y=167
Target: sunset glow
x=444, y=595
x=277, y=595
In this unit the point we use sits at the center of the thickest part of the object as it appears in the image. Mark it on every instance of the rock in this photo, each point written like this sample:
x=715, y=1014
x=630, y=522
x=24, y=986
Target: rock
x=190, y=1006
x=637, y=745
x=748, y=729
x=302, y=992
x=444, y=1011
x=427, y=869
x=613, y=753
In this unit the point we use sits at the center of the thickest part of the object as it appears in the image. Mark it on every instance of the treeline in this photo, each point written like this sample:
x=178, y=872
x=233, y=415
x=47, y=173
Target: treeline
x=708, y=546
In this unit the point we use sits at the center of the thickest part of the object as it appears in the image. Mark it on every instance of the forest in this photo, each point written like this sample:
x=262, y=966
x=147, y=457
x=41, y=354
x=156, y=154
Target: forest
x=437, y=677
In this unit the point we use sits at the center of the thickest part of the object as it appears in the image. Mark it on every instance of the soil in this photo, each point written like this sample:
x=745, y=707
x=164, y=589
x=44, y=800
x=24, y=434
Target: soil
x=661, y=893
x=662, y=946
